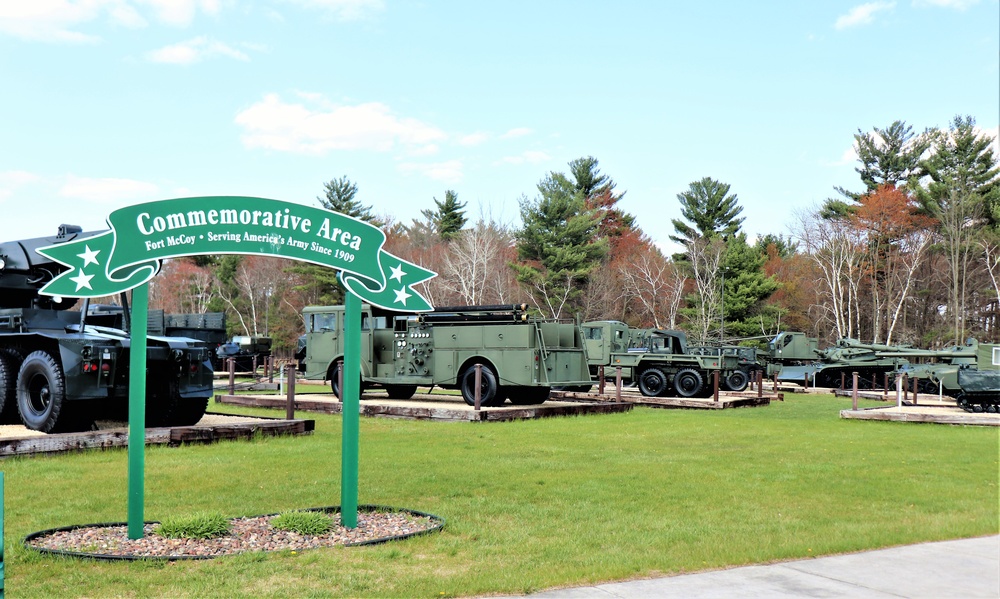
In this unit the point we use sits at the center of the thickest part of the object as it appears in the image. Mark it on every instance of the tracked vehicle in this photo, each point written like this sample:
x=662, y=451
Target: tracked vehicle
x=980, y=386
x=62, y=369
x=521, y=358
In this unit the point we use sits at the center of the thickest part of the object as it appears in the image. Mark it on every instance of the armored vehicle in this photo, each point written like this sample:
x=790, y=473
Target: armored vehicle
x=980, y=386
x=60, y=372
x=657, y=360
x=521, y=358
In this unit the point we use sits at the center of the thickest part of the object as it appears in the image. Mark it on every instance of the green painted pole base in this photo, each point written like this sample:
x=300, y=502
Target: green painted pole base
x=137, y=411
x=351, y=409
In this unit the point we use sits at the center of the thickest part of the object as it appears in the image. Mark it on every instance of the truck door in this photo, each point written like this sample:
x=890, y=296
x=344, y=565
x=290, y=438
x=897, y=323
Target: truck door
x=323, y=340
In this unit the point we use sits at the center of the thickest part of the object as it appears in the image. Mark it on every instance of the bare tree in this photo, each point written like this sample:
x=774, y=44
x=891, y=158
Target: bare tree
x=476, y=264
x=835, y=246
x=704, y=259
x=655, y=284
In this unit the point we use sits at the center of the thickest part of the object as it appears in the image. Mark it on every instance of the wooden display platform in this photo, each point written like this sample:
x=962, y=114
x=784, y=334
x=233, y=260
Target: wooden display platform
x=430, y=407
x=18, y=440
x=933, y=414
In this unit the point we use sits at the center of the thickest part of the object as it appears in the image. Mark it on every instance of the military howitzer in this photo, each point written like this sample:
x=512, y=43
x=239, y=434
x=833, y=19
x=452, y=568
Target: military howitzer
x=872, y=361
x=938, y=369
x=62, y=369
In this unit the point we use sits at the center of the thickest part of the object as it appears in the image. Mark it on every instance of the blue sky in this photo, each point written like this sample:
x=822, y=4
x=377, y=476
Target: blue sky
x=106, y=103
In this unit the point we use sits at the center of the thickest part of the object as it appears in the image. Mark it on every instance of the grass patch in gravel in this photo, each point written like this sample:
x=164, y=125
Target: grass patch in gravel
x=529, y=505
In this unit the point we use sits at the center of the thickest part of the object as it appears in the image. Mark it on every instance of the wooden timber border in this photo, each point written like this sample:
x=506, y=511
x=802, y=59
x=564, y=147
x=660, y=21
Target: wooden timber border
x=242, y=428
x=927, y=414
x=430, y=407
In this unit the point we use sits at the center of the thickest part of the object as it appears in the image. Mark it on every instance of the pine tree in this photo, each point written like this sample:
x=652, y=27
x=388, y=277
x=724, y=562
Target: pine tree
x=449, y=218
x=710, y=208
x=888, y=156
x=339, y=197
x=557, y=246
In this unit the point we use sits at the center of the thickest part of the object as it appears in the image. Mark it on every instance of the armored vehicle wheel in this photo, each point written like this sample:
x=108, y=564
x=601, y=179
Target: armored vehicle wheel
x=527, y=396
x=652, y=382
x=736, y=381
x=41, y=395
x=688, y=383
x=400, y=391
x=489, y=390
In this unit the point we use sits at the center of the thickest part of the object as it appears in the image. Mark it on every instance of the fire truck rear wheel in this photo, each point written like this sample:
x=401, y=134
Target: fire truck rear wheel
x=489, y=390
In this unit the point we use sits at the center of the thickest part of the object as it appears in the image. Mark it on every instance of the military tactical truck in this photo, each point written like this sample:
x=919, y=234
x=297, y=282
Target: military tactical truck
x=60, y=372
x=661, y=365
x=245, y=350
x=749, y=365
x=521, y=357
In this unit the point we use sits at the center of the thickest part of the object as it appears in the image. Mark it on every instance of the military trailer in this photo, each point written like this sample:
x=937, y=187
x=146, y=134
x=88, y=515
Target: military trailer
x=657, y=360
x=60, y=372
x=521, y=358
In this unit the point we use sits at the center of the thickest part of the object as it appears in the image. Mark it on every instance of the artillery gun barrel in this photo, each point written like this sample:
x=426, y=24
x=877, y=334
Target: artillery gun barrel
x=484, y=308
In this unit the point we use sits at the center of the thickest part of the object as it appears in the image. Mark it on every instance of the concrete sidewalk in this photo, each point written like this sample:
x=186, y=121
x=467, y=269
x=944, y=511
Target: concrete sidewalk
x=968, y=568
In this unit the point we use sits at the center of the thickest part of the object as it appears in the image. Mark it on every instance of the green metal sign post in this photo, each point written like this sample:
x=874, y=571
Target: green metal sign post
x=129, y=254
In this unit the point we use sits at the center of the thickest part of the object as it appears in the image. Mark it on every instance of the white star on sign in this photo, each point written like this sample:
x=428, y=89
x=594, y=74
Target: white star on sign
x=83, y=280
x=89, y=256
x=401, y=295
x=397, y=273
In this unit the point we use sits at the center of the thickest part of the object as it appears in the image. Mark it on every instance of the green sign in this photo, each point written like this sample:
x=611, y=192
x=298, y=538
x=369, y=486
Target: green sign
x=142, y=235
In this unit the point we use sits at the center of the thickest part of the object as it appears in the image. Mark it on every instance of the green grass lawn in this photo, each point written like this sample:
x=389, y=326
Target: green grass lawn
x=529, y=505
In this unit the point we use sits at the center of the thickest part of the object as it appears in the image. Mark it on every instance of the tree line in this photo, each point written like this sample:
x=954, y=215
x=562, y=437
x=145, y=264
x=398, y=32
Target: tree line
x=911, y=255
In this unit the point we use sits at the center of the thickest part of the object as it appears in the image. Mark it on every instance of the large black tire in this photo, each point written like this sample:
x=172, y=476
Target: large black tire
x=652, y=382
x=163, y=401
x=489, y=390
x=10, y=364
x=41, y=395
x=688, y=382
x=400, y=391
x=528, y=396
x=335, y=378
x=736, y=381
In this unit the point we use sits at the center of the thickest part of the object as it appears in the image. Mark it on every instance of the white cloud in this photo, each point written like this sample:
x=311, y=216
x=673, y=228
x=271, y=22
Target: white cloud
x=106, y=190
x=527, y=157
x=516, y=132
x=474, y=139
x=11, y=180
x=61, y=20
x=181, y=12
x=863, y=14
x=344, y=10
x=956, y=4
x=319, y=127
x=448, y=172
x=194, y=50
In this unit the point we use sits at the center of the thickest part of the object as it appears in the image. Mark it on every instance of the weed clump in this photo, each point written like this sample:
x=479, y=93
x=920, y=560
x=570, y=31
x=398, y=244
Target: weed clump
x=303, y=523
x=197, y=526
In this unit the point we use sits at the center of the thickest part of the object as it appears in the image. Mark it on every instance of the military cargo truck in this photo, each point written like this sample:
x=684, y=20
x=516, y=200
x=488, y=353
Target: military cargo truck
x=657, y=360
x=59, y=372
x=521, y=357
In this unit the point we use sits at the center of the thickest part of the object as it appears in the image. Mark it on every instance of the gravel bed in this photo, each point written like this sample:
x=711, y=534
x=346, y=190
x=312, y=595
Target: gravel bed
x=246, y=534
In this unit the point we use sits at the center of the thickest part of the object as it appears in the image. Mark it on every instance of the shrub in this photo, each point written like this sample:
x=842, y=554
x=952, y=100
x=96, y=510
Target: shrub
x=197, y=526
x=304, y=523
